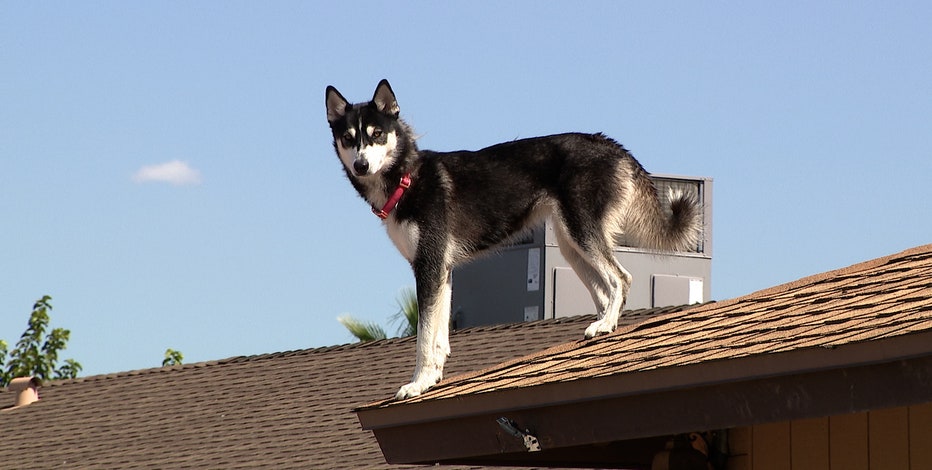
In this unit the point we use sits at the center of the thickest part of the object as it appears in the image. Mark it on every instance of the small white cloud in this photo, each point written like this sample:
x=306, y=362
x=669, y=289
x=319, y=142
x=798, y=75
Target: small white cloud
x=175, y=172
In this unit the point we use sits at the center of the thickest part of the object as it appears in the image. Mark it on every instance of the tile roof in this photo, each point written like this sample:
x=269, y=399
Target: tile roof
x=877, y=299
x=285, y=410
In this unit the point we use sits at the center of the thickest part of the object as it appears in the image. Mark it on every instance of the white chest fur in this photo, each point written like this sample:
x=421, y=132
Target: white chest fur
x=404, y=235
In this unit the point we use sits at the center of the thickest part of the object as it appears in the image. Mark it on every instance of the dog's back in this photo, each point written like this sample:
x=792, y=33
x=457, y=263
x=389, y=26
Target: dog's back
x=492, y=194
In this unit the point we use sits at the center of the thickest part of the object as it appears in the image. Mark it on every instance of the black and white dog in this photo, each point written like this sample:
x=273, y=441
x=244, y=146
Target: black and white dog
x=443, y=208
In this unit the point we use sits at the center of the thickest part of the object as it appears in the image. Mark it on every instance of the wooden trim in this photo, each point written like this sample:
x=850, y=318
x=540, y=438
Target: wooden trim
x=772, y=446
x=477, y=438
x=809, y=443
x=710, y=373
x=848, y=444
x=888, y=438
x=920, y=436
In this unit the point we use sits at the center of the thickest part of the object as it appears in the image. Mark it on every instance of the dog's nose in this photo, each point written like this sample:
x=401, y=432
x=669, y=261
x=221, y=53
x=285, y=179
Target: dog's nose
x=361, y=167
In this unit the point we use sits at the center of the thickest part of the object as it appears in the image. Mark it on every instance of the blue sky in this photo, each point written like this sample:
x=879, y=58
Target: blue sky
x=167, y=175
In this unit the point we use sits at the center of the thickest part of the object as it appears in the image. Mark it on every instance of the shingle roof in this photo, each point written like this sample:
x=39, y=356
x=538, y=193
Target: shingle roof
x=877, y=299
x=848, y=340
x=284, y=410
x=293, y=409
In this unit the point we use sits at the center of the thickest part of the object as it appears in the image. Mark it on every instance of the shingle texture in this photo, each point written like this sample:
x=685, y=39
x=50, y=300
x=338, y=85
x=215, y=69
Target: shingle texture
x=877, y=299
x=294, y=409
x=285, y=410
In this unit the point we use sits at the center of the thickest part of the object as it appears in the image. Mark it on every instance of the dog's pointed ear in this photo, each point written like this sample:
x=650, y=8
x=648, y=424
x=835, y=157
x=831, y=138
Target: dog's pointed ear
x=336, y=104
x=384, y=99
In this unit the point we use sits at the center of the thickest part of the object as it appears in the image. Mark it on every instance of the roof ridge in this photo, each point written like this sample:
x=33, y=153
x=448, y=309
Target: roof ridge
x=307, y=351
x=227, y=360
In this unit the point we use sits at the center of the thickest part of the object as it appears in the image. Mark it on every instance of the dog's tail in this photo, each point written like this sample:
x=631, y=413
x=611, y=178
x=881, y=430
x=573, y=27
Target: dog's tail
x=671, y=222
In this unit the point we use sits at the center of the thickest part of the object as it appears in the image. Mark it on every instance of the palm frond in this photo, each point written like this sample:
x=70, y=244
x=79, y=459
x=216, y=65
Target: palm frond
x=406, y=316
x=363, y=331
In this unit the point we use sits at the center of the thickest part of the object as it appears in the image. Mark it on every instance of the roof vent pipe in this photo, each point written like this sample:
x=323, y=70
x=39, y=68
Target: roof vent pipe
x=27, y=390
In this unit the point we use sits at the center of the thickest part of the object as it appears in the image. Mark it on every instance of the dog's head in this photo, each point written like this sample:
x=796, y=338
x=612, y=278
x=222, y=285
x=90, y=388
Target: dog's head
x=365, y=135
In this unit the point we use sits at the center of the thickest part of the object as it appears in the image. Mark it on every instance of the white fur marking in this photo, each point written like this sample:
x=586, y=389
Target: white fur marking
x=433, y=337
x=404, y=235
x=347, y=156
x=433, y=343
x=379, y=155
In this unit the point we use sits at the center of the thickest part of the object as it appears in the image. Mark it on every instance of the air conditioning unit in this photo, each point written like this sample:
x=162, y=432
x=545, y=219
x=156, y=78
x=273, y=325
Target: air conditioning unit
x=530, y=279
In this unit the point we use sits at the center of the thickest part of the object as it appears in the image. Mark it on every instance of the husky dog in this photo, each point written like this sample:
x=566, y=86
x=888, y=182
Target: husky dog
x=444, y=208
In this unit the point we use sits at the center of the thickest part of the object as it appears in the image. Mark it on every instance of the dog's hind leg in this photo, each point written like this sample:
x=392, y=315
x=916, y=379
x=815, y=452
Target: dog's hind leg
x=596, y=283
x=590, y=254
x=620, y=280
x=433, y=328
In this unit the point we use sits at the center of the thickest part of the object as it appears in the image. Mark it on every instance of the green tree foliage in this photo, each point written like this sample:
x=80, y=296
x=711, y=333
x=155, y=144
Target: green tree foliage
x=406, y=317
x=36, y=352
x=172, y=358
x=363, y=331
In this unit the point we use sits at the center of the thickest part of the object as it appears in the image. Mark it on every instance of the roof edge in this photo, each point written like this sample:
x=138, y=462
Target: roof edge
x=654, y=314
x=614, y=421
x=667, y=312
x=753, y=367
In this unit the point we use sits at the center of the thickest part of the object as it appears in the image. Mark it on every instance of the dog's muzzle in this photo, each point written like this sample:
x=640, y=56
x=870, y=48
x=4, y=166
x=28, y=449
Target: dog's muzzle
x=361, y=166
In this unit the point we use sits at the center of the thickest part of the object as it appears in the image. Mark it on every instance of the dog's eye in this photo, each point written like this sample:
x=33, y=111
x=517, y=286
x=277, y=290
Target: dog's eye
x=348, y=138
x=376, y=133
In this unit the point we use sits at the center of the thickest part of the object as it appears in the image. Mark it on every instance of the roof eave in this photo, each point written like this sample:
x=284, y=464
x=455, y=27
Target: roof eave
x=704, y=396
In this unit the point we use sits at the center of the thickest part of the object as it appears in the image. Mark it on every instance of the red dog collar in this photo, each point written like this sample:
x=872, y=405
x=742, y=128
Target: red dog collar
x=404, y=184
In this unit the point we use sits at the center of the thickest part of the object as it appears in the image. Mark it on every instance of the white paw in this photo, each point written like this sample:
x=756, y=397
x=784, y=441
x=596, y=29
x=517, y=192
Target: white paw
x=412, y=389
x=600, y=327
x=418, y=386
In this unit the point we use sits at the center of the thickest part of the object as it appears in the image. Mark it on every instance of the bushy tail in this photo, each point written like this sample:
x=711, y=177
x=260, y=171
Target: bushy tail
x=671, y=223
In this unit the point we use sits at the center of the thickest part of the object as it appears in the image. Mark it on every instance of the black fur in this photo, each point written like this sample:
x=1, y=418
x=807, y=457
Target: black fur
x=465, y=203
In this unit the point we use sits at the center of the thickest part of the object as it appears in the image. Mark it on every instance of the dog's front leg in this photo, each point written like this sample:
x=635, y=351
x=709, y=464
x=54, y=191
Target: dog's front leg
x=433, y=328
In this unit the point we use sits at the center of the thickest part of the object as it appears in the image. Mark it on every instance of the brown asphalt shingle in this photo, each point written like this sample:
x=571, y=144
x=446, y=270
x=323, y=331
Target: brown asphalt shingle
x=284, y=410
x=885, y=297
x=293, y=409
